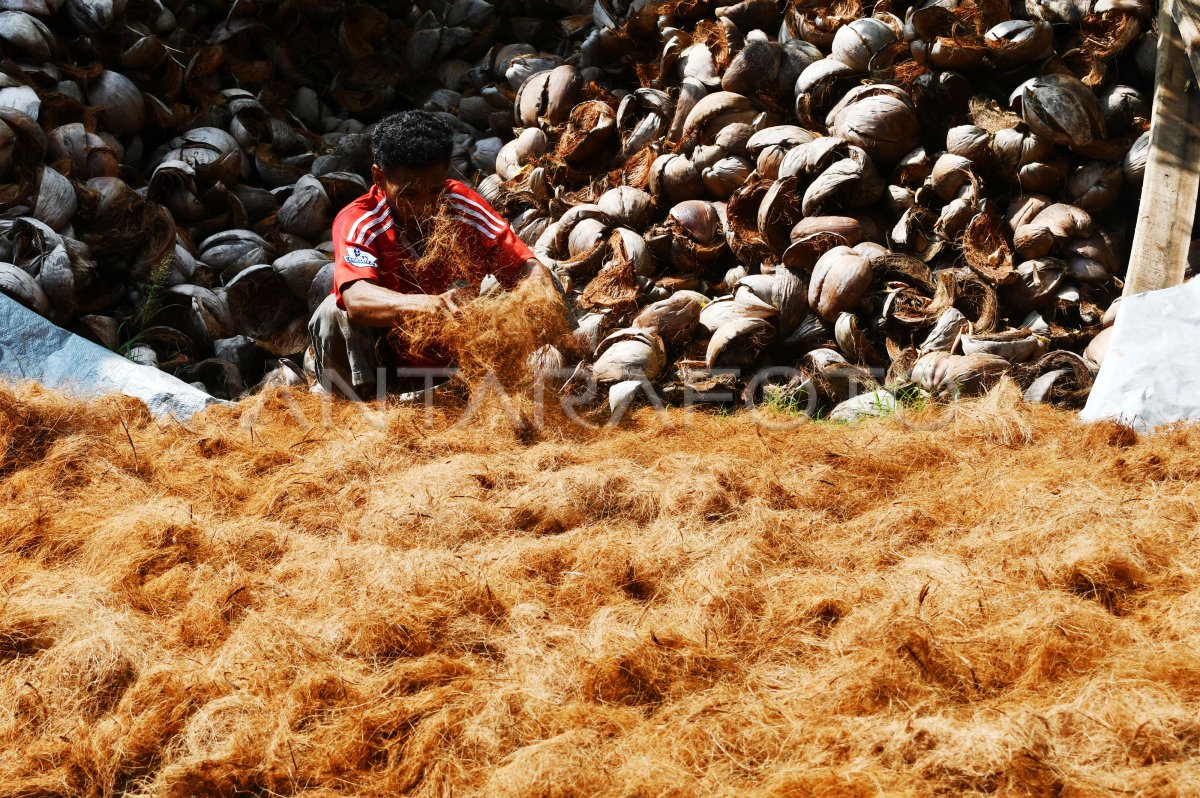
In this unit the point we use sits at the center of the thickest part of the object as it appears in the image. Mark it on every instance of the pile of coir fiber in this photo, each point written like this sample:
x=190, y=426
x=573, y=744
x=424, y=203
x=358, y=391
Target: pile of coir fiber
x=991, y=600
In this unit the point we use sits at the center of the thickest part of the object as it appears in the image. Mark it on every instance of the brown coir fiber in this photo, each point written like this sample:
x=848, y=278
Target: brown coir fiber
x=494, y=336
x=487, y=337
x=445, y=249
x=988, y=600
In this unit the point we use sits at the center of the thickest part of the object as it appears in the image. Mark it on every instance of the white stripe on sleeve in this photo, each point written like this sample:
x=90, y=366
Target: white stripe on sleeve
x=383, y=229
x=498, y=228
x=354, y=227
x=384, y=216
x=476, y=225
x=485, y=210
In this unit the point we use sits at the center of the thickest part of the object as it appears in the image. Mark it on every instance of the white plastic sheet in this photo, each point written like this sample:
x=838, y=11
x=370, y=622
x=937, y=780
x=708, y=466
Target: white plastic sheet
x=33, y=349
x=1151, y=373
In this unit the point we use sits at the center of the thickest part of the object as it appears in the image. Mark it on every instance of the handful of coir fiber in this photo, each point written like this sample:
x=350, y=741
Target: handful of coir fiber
x=493, y=336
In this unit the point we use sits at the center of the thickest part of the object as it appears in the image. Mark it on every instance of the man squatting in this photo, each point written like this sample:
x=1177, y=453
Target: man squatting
x=378, y=240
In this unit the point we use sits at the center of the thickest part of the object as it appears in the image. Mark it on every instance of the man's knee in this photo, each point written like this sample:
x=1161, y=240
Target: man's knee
x=344, y=361
x=327, y=320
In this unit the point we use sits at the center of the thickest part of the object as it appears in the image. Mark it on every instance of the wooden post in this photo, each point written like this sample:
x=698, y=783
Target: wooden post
x=1169, y=191
x=1186, y=14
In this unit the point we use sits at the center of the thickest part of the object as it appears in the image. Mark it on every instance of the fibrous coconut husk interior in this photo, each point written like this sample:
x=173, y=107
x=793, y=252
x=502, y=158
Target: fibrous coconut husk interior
x=285, y=597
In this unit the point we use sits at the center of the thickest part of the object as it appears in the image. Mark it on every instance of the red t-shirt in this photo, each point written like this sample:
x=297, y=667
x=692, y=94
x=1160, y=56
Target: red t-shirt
x=368, y=245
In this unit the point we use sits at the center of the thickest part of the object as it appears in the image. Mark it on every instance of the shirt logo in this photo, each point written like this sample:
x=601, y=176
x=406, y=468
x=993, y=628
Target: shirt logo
x=361, y=258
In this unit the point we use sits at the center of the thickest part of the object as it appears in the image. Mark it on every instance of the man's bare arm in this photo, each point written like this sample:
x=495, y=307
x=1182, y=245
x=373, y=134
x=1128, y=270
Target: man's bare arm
x=372, y=305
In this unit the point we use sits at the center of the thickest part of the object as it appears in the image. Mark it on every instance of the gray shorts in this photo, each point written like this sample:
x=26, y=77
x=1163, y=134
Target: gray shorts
x=351, y=360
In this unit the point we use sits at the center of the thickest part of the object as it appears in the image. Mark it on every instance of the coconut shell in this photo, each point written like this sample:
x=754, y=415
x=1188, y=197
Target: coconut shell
x=781, y=208
x=1015, y=346
x=629, y=354
x=970, y=142
x=233, y=251
x=879, y=118
x=839, y=281
x=299, y=269
x=855, y=44
x=260, y=302
x=783, y=290
x=726, y=309
x=514, y=155
x=201, y=313
x=712, y=113
x=958, y=375
x=1097, y=348
x=754, y=68
x=847, y=229
x=1095, y=187
x=626, y=206
x=1017, y=42
x=738, y=343
x=726, y=175
x=835, y=379
x=122, y=110
x=1061, y=108
x=27, y=34
x=945, y=333
x=19, y=285
x=1134, y=166
x=674, y=179
x=306, y=213
x=590, y=137
x=548, y=95
x=673, y=319
x=56, y=203
x=697, y=219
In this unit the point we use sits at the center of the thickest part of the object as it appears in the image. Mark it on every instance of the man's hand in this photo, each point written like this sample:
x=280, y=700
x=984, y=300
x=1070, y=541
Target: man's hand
x=441, y=305
x=535, y=271
x=455, y=298
x=372, y=305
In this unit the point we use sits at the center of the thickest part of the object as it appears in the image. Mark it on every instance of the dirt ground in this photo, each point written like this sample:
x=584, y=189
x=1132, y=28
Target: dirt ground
x=988, y=599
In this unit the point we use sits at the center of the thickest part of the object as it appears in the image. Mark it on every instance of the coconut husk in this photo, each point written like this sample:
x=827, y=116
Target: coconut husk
x=903, y=268
x=804, y=252
x=697, y=378
x=986, y=250
x=615, y=289
x=977, y=301
x=635, y=171
x=1069, y=388
x=913, y=308
x=900, y=370
x=744, y=237
x=713, y=36
x=590, y=136
x=494, y=336
x=1107, y=34
x=778, y=213
x=986, y=113
x=446, y=250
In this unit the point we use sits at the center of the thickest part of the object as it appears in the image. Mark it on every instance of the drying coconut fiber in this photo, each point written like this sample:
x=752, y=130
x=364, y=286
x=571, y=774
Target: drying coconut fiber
x=1005, y=602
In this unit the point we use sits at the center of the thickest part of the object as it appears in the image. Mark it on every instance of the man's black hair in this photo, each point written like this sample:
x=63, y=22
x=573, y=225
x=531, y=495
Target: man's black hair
x=412, y=140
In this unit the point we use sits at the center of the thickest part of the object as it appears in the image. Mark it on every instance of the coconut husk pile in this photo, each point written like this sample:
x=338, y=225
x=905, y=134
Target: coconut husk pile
x=169, y=171
x=919, y=196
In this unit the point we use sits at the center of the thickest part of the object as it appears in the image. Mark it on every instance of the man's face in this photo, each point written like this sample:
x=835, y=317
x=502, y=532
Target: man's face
x=413, y=194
